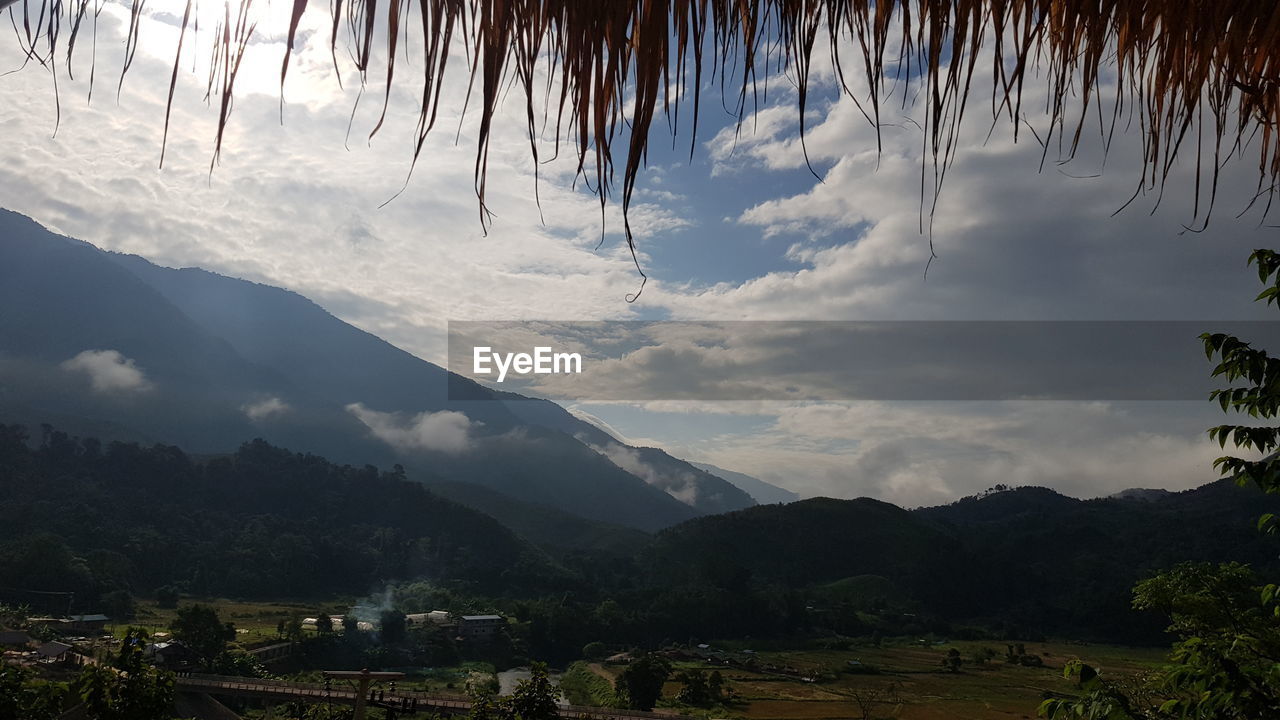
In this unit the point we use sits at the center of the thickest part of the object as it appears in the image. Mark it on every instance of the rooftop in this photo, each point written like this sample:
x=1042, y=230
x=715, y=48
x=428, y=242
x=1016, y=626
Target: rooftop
x=53, y=649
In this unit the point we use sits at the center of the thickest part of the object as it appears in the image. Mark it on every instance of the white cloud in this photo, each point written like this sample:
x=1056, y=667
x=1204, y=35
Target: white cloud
x=265, y=408
x=289, y=206
x=108, y=371
x=1014, y=241
x=915, y=453
x=682, y=486
x=445, y=431
x=598, y=423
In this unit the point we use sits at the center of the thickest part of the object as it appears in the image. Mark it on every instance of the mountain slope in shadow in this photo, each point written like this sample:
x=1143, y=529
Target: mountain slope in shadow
x=206, y=362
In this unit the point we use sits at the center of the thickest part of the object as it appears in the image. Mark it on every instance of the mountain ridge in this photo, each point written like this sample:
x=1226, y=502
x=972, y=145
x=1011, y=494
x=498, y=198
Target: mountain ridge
x=215, y=360
x=763, y=492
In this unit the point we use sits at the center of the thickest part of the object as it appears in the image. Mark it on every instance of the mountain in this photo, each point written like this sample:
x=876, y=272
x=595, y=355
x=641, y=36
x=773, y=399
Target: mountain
x=1142, y=494
x=189, y=357
x=762, y=492
x=557, y=532
x=1003, y=504
x=811, y=541
x=59, y=299
x=263, y=522
x=1029, y=560
x=696, y=487
x=105, y=520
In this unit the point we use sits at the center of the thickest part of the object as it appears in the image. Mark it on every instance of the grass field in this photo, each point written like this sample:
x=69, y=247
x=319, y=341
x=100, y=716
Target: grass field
x=908, y=682
x=255, y=622
x=911, y=683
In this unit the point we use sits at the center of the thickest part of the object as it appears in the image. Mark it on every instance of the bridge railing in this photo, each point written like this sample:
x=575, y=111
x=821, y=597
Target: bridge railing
x=234, y=683
x=584, y=711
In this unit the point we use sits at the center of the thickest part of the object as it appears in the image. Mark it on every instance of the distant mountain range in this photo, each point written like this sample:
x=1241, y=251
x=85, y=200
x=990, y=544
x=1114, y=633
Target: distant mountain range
x=1028, y=559
x=761, y=491
x=83, y=516
x=113, y=346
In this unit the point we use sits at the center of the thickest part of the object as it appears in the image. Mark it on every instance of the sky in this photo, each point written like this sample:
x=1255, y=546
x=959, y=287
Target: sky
x=742, y=230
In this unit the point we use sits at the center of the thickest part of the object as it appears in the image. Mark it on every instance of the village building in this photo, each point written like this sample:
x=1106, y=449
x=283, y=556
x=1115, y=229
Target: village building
x=54, y=651
x=439, y=618
x=94, y=623
x=88, y=624
x=171, y=655
x=480, y=629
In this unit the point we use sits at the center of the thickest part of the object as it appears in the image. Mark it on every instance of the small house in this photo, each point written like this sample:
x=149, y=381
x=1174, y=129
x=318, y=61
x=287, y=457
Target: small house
x=53, y=651
x=88, y=623
x=480, y=628
x=172, y=655
x=435, y=617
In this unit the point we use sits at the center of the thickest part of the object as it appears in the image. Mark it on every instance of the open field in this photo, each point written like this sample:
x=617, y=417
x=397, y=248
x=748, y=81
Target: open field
x=901, y=681
x=911, y=683
x=255, y=622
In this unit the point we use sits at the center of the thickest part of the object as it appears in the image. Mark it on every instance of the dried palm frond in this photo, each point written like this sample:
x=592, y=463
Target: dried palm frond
x=1208, y=66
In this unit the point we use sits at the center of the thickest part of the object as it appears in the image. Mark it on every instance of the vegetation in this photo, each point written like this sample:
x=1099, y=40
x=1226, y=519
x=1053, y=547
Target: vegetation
x=583, y=686
x=1226, y=661
x=749, y=573
x=79, y=517
x=23, y=698
x=266, y=522
x=200, y=629
x=532, y=699
x=640, y=685
x=700, y=689
x=132, y=690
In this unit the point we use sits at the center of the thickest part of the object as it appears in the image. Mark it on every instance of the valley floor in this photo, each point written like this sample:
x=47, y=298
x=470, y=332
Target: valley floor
x=910, y=682
x=901, y=680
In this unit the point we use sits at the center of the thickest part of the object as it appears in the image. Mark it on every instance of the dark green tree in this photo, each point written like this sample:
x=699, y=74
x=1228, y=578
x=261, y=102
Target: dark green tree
x=199, y=628
x=696, y=689
x=167, y=596
x=640, y=684
x=293, y=629
x=953, y=660
x=119, y=605
x=324, y=624
x=132, y=646
x=239, y=664
x=715, y=683
x=1225, y=664
x=535, y=698
x=393, y=628
x=143, y=693
x=14, y=615
x=22, y=697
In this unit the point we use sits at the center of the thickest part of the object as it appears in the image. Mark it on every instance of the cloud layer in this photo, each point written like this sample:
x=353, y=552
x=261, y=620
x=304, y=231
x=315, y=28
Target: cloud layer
x=265, y=408
x=298, y=205
x=445, y=431
x=108, y=371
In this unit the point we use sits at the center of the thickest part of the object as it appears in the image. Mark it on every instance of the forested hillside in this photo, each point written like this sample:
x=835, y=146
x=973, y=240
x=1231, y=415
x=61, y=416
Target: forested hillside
x=1024, y=561
x=204, y=361
x=78, y=516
